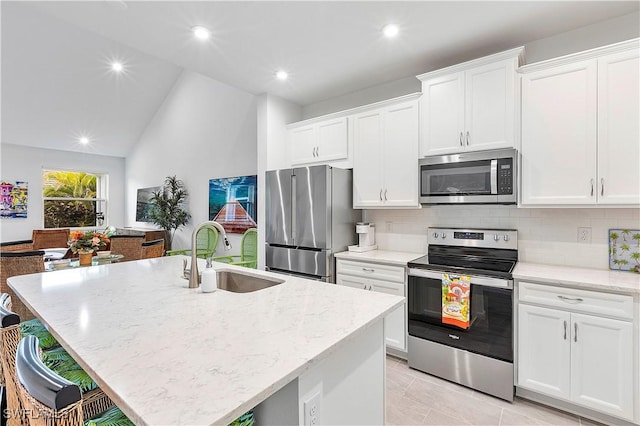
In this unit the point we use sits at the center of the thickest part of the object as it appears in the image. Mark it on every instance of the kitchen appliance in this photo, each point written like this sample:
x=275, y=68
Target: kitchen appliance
x=484, y=177
x=309, y=217
x=366, y=237
x=480, y=356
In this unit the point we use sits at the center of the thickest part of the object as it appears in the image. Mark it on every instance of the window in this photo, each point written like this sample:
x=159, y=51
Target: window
x=73, y=199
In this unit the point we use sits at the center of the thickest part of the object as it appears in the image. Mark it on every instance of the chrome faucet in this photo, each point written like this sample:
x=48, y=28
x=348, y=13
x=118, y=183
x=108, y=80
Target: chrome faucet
x=194, y=276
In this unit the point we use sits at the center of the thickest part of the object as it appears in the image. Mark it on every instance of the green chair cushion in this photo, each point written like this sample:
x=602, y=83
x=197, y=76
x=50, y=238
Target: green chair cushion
x=63, y=364
x=246, y=419
x=35, y=328
x=112, y=417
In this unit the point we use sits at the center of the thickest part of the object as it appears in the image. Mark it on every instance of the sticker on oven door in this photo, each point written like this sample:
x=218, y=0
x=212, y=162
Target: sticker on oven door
x=456, y=300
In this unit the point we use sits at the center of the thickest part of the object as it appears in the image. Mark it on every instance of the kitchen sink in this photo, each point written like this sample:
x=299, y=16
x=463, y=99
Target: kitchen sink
x=238, y=282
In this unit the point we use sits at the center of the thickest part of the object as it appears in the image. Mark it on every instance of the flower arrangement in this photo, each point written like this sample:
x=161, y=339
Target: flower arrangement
x=87, y=242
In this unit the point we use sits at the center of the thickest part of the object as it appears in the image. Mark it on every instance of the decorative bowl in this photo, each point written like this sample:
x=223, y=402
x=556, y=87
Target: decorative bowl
x=104, y=254
x=60, y=264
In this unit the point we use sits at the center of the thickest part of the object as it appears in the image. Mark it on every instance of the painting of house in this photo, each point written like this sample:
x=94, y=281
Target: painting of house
x=232, y=203
x=13, y=199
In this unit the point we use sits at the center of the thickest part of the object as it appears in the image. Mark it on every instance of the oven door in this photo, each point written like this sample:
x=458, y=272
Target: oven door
x=474, y=178
x=491, y=328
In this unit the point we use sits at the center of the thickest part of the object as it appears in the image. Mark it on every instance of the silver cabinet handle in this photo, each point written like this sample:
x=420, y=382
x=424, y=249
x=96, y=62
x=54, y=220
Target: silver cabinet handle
x=570, y=299
x=385, y=195
x=317, y=151
x=380, y=194
x=368, y=269
x=575, y=331
x=565, y=330
x=592, y=187
x=467, y=138
x=461, y=136
x=602, y=187
x=313, y=151
x=364, y=287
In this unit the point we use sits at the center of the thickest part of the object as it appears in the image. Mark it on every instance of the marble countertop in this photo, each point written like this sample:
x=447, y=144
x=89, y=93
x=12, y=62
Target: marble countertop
x=380, y=256
x=167, y=354
x=590, y=279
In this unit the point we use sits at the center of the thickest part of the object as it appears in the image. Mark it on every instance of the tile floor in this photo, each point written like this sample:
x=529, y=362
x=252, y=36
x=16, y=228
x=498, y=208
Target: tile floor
x=415, y=398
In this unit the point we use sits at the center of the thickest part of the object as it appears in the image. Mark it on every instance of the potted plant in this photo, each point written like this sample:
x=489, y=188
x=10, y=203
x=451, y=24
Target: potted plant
x=85, y=243
x=167, y=209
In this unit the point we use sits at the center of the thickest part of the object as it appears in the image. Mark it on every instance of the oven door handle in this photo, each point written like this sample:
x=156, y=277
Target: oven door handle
x=483, y=281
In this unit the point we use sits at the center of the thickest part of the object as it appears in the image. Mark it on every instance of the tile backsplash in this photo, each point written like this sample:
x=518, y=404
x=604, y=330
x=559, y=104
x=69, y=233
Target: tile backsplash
x=544, y=235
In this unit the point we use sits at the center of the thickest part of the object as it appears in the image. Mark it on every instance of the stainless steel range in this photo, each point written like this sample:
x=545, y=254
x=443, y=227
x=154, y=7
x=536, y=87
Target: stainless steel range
x=480, y=356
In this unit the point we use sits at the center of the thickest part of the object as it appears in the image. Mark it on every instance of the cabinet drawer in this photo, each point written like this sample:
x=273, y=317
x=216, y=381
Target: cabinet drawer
x=577, y=300
x=371, y=270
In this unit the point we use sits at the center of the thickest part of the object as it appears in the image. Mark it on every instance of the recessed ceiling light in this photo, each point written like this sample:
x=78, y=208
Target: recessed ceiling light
x=84, y=140
x=117, y=66
x=282, y=75
x=390, y=30
x=201, y=33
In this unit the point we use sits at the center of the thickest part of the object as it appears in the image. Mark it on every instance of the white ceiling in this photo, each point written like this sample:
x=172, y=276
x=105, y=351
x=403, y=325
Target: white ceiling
x=56, y=83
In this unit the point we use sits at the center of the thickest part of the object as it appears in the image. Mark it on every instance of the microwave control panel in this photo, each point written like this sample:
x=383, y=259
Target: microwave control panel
x=505, y=176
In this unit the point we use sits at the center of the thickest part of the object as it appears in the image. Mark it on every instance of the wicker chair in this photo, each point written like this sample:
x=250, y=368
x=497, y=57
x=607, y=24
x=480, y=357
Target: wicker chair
x=94, y=401
x=130, y=246
x=9, y=246
x=19, y=263
x=47, y=398
x=151, y=249
x=50, y=238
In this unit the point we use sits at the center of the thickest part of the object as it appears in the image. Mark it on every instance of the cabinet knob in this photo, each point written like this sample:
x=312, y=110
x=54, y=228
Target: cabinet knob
x=496, y=237
x=435, y=235
x=506, y=237
x=444, y=235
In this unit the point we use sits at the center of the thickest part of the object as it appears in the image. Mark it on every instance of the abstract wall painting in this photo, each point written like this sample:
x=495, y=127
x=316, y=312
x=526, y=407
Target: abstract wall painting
x=232, y=203
x=143, y=203
x=13, y=199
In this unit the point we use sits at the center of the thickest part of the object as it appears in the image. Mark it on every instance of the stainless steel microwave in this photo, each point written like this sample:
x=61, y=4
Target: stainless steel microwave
x=483, y=177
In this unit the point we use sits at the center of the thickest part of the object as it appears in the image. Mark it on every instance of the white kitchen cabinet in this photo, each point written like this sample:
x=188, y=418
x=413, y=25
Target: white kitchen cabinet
x=580, y=129
x=384, y=279
x=319, y=142
x=385, y=163
x=568, y=347
x=470, y=106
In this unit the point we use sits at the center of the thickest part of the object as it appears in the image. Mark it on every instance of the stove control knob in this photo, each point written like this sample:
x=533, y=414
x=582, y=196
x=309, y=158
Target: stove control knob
x=435, y=235
x=506, y=237
x=444, y=235
x=496, y=237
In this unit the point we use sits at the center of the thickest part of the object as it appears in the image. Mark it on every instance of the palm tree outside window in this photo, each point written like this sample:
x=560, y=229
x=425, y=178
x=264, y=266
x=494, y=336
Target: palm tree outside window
x=74, y=199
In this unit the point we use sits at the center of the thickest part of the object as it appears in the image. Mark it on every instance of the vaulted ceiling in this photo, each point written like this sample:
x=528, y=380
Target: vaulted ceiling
x=57, y=84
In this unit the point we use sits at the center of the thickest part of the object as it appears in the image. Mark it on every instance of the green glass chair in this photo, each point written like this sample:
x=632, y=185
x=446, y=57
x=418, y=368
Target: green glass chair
x=206, y=243
x=248, y=251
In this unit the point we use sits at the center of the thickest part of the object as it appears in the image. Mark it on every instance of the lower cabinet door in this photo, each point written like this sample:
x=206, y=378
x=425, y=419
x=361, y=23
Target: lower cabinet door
x=351, y=281
x=602, y=364
x=544, y=350
x=394, y=324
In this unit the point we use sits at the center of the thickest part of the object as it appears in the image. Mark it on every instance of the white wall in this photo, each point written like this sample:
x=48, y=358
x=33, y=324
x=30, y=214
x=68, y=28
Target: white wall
x=274, y=114
x=599, y=34
x=26, y=164
x=204, y=129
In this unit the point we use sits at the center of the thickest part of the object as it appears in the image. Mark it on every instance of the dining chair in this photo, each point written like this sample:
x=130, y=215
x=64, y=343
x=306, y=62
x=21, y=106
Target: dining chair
x=22, y=245
x=206, y=243
x=94, y=400
x=19, y=263
x=50, y=238
x=49, y=399
x=151, y=249
x=130, y=246
x=248, y=251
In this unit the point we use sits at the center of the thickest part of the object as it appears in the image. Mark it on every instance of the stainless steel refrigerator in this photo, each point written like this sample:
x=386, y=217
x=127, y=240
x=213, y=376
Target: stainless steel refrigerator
x=309, y=217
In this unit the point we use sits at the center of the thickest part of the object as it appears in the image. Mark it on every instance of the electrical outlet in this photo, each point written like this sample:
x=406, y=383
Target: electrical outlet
x=313, y=410
x=584, y=235
x=389, y=226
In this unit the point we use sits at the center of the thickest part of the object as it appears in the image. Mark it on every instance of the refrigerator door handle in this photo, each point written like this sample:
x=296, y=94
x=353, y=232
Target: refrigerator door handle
x=293, y=209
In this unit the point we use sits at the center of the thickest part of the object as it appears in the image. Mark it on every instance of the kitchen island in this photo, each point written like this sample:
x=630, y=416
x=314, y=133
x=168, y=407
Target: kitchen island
x=167, y=354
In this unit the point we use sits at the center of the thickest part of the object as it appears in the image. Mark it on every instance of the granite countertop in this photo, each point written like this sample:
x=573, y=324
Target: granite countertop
x=380, y=256
x=588, y=279
x=167, y=354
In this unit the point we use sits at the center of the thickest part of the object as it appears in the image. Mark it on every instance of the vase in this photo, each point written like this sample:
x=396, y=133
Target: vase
x=85, y=258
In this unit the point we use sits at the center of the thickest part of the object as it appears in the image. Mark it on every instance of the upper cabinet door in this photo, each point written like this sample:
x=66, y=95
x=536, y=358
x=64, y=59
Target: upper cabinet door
x=559, y=135
x=490, y=106
x=442, y=109
x=332, y=140
x=368, y=179
x=619, y=128
x=303, y=144
x=400, y=155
